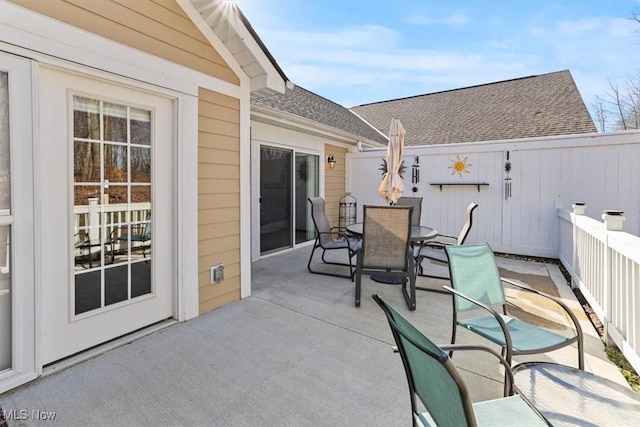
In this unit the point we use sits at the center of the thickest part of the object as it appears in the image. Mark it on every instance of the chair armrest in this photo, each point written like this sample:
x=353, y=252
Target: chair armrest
x=495, y=314
x=439, y=237
x=572, y=316
x=338, y=235
x=440, y=244
x=468, y=347
x=502, y=360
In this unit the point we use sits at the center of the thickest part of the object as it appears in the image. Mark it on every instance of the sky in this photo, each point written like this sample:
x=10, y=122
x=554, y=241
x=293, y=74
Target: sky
x=358, y=52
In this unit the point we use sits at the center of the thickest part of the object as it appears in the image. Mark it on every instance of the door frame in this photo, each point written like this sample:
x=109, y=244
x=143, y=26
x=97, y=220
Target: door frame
x=24, y=255
x=316, y=149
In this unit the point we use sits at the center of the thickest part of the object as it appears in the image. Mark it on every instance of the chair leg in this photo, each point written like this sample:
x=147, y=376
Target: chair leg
x=454, y=328
x=358, y=286
x=508, y=357
x=315, y=245
x=410, y=297
x=419, y=269
x=580, y=354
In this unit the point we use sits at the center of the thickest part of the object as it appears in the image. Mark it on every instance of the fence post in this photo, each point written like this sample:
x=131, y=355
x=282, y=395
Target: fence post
x=579, y=208
x=94, y=220
x=613, y=221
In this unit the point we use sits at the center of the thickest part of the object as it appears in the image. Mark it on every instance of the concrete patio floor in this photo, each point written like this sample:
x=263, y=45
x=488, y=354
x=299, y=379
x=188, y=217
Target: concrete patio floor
x=297, y=352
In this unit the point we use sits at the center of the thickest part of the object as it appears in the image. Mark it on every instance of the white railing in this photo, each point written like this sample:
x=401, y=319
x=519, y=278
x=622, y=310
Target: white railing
x=87, y=219
x=604, y=264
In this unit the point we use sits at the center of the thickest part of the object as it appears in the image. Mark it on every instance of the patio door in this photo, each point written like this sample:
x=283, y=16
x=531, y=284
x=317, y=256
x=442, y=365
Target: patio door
x=107, y=179
x=287, y=180
x=17, y=249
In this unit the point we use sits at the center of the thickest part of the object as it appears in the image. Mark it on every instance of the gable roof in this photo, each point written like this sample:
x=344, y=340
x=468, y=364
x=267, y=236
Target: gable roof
x=308, y=105
x=534, y=106
x=230, y=27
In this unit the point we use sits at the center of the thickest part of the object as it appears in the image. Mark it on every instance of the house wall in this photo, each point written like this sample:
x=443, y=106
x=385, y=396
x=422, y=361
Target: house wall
x=334, y=181
x=158, y=27
x=546, y=174
x=218, y=197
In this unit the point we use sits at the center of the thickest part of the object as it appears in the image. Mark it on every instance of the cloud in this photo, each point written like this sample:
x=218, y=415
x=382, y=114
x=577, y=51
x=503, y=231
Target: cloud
x=455, y=20
x=580, y=27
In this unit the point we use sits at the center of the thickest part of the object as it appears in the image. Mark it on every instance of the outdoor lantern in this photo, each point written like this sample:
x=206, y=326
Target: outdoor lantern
x=331, y=160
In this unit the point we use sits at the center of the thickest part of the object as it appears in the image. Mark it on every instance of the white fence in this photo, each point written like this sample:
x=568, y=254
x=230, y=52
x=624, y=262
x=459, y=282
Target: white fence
x=545, y=174
x=88, y=226
x=604, y=264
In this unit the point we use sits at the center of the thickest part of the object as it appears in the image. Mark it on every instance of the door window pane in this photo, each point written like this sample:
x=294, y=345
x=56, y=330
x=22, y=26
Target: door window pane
x=5, y=170
x=140, y=164
x=275, y=199
x=115, y=122
x=112, y=203
x=140, y=127
x=115, y=163
x=86, y=118
x=306, y=186
x=86, y=162
x=6, y=341
x=6, y=313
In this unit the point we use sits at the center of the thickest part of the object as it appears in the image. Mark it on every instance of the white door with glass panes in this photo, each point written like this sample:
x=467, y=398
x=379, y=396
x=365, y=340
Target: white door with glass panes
x=107, y=181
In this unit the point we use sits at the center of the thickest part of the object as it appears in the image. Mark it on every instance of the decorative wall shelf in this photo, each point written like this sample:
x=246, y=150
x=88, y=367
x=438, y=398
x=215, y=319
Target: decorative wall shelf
x=475, y=184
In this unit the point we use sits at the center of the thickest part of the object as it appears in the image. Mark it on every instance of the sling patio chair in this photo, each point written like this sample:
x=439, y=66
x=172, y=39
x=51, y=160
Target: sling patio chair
x=385, y=248
x=476, y=286
x=416, y=204
x=330, y=239
x=136, y=235
x=434, y=249
x=435, y=381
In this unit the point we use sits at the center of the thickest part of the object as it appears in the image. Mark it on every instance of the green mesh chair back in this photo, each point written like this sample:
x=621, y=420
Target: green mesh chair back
x=431, y=375
x=474, y=272
x=416, y=204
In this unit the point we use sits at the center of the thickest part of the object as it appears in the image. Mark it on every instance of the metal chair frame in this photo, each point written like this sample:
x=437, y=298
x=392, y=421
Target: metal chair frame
x=328, y=239
x=385, y=248
x=430, y=372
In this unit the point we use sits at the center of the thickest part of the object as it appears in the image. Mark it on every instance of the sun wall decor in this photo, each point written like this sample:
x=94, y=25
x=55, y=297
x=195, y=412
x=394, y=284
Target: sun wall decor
x=459, y=166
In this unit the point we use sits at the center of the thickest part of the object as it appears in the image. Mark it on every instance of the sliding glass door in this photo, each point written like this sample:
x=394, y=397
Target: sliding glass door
x=287, y=179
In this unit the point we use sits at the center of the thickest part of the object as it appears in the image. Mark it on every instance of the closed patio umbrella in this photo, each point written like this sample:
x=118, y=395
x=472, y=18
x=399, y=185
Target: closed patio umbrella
x=392, y=186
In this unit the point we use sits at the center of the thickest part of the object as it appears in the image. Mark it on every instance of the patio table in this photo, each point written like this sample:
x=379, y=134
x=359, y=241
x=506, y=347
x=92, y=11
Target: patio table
x=567, y=396
x=419, y=233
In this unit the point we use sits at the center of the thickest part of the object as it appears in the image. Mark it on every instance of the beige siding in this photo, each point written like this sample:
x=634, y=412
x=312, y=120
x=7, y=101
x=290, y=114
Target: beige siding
x=158, y=27
x=334, y=182
x=218, y=197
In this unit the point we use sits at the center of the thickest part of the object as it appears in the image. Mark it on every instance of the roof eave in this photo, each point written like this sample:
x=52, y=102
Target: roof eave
x=228, y=25
x=308, y=126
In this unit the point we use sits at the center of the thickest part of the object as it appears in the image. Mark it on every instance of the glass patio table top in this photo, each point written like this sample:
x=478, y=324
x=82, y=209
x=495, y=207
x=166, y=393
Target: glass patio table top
x=567, y=396
x=418, y=232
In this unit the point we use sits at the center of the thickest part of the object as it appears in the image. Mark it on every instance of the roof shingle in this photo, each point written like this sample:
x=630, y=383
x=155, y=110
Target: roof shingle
x=307, y=104
x=542, y=105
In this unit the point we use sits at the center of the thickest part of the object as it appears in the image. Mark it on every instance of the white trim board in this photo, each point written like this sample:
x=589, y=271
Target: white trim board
x=33, y=35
